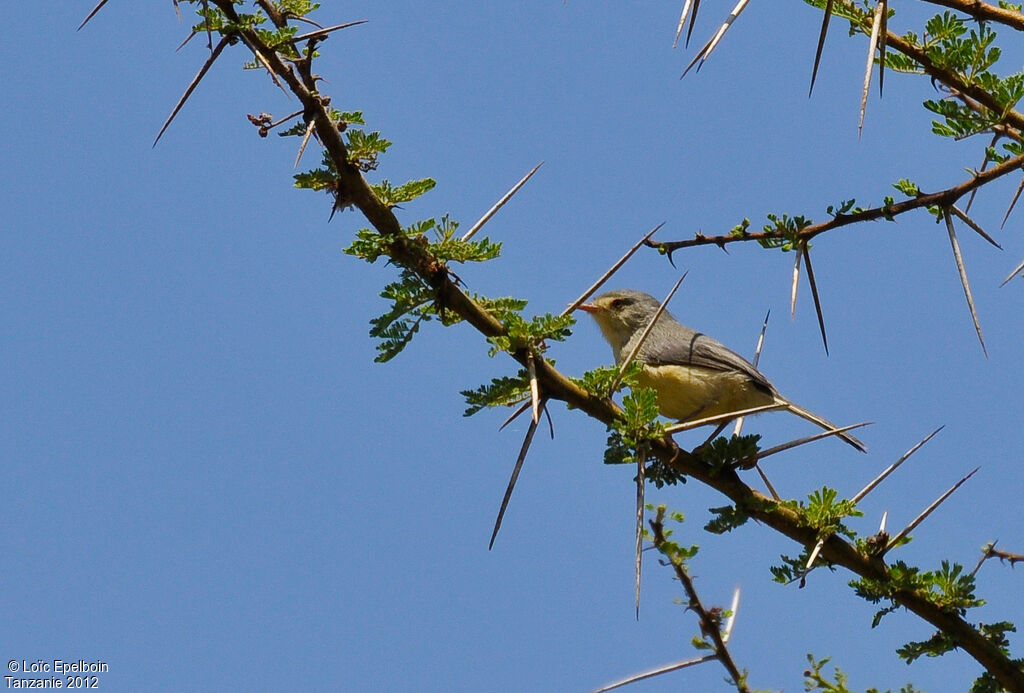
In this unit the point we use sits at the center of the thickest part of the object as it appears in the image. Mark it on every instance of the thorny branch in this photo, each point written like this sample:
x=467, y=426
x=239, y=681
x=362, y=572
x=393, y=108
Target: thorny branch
x=985, y=12
x=974, y=96
x=353, y=190
x=943, y=198
x=710, y=619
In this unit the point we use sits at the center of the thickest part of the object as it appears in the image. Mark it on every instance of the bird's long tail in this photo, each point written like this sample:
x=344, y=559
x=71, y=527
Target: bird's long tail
x=824, y=423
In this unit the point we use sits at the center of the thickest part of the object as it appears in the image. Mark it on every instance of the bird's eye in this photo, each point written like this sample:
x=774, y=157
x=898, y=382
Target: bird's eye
x=619, y=302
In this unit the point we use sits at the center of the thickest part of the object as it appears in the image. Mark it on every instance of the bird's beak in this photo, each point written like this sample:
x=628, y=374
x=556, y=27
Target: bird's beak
x=589, y=307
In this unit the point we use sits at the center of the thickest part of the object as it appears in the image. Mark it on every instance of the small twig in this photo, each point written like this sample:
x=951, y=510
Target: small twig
x=892, y=467
x=990, y=551
x=285, y=119
x=500, y=203
x=963, y=275
x=709, y=620
x=512, y=481
x=944, y=197
x=643, y=336
x=193, y=84
x=927, y=511
x=612, y=270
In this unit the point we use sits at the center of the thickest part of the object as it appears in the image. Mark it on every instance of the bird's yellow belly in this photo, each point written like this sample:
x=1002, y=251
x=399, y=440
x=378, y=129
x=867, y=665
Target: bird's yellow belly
x=687, y=393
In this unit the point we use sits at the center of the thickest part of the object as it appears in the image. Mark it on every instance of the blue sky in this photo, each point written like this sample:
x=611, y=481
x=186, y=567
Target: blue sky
x=211, y=486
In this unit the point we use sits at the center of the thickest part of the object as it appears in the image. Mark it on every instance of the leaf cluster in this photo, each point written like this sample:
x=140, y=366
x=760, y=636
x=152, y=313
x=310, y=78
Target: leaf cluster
x=729, y=452
x=676, y=553
x=949, y=588
x=637, y=424
x=824, y=512
x=505, y=391
x=521, y=333
x=815, y=680
x=784, y=230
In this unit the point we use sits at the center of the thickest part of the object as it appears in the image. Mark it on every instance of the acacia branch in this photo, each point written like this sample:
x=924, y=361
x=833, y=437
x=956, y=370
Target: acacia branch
x=974, y=96
x=942, y=198
x=984, y=12
x=354, y=190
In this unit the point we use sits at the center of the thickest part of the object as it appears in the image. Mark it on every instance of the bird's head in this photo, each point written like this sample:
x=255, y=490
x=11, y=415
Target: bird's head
x=621, y=313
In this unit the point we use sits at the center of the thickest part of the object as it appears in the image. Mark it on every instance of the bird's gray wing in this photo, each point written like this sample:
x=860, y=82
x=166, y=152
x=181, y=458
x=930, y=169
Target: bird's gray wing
x=686, y=347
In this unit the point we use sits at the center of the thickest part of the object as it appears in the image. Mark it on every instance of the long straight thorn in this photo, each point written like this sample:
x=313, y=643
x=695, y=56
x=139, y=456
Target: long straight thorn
x=500, y=203
x=817, y=299
x=796, y=280
x=808, y=439
x=512, y=481
x=883, y=35
x=963, y=276
x=1013, y=274
x=876, y=26
x=614, y=268
x=92, y=14
x=1013, y=202
x=928, y=511
x=193, y=84
x=731, y=621
x=728, y=416
x=821, y=44
x=651, y=673
x=531, y=370
x=523, y=407
x=757, y=357
x=892, y=467
x=682, y=21
x=975, y=227
x=641, y=459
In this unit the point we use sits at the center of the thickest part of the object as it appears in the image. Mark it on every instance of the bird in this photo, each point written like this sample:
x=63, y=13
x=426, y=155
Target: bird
x=694, y=375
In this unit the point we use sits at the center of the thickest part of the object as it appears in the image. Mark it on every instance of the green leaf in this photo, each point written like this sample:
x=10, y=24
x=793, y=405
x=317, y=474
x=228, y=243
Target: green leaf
x=392, y=196
x=500, y=392
x=728, y=518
